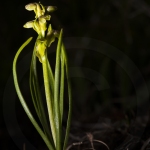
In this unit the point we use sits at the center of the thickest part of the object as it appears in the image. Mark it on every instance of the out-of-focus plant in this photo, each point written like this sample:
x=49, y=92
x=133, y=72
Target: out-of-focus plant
x=50, y=129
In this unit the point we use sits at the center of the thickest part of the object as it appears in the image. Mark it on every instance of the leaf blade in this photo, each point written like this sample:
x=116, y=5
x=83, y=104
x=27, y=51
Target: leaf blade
x=21, y=98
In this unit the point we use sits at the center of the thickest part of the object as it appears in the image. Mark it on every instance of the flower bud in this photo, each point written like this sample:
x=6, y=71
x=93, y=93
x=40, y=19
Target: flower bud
x=39, y=12
x=42, y=24
x=30, y=6
x=46, y=17
x=51, y=8
x=37, y=27
x=40, y=49
x=29, y=24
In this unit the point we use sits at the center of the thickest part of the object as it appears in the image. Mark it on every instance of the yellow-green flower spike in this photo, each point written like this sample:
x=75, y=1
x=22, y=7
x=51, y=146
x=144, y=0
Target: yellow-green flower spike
x=40, y=26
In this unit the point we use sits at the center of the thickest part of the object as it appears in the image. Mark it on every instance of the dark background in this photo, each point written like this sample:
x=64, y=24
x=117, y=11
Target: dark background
x=120, y=25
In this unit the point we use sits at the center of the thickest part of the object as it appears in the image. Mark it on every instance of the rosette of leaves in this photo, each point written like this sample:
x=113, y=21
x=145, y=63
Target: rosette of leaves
x=50, y=129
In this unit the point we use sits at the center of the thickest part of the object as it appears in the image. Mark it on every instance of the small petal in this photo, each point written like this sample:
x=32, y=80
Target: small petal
x=42, y=24
x=39, y=12
x=42, y=20
x=50, y=38
x=29, y=24
x=51, y=8
x=37, y=27
x=56, y=33
x=49, y=28
x=31, y=6
x=46, y=17
x=51, y=35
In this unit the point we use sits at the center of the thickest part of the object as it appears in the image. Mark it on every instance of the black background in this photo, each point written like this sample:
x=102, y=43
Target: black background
x=124, y=25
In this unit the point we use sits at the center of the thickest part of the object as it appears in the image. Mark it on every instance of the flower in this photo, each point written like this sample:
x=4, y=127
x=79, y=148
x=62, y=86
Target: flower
x=37, y=8
x=40, y=26
x=41, y=17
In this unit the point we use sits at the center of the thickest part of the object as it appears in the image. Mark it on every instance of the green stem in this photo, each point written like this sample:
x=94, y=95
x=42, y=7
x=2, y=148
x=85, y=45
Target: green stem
x=48, y=97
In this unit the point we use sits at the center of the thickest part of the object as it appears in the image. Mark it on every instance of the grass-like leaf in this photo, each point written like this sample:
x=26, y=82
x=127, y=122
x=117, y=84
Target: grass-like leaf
x=37, y=98
x=56, y=93
x=22, y=101
x=62, y=70
x=69, y=98
x=48, y=79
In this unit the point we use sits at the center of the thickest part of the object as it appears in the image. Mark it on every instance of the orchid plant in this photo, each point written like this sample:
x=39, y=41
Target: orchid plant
x=49, y=129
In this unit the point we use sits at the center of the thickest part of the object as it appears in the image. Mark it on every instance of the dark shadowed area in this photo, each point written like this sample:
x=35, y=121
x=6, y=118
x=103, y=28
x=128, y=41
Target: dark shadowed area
x=108, y=47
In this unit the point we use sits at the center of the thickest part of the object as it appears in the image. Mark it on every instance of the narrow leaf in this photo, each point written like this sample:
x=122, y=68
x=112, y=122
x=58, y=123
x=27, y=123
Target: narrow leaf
x=49, y=95
x=22, y=101
x=37, y=98
x=62, y=86
x=56, y=94
x=69, y=98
